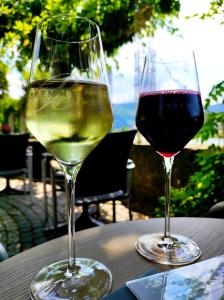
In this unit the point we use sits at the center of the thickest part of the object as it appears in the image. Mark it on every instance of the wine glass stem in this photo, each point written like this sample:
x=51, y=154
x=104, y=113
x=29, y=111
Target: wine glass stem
x=168, y=163
x=71, y=175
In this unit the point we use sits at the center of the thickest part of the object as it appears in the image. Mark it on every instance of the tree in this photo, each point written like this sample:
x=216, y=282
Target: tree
x=119, y=21
x=214, y=123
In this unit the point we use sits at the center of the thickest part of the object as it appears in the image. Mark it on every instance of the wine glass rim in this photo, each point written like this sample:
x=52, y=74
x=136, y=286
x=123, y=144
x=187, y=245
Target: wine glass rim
x=185, y=53
x=39, y=25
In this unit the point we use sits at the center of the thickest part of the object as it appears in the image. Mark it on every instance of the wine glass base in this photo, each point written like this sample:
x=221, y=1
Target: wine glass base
x=92, y=281
x=178, y=250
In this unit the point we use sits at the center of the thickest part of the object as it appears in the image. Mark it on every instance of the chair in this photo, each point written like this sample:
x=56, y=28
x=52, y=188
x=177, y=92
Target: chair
x=15, y=160
x=104, y=176
x=217, y=210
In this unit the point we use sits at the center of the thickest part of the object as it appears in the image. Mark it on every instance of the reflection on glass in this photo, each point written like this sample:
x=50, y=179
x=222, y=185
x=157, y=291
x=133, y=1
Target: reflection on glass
x=204, y=280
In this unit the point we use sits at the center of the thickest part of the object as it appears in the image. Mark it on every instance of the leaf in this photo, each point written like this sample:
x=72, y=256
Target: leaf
x=23, y=27
x=26, y=42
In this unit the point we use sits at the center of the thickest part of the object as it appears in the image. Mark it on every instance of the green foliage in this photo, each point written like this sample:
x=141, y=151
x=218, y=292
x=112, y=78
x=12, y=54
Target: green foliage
x=204, y=188
x=213, y=126
x=119, y=20
x=11, y=107
x=216, y=94
x=216, y=9
x=3, y=82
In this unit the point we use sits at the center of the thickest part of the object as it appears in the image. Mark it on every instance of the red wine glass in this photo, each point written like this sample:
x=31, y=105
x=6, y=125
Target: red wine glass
x=169, y=115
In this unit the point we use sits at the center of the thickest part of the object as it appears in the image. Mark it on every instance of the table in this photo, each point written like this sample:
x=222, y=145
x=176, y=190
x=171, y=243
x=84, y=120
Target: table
x=111, y=244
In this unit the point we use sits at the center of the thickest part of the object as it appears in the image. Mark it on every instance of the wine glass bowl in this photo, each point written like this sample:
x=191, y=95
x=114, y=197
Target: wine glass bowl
x=173, y=119
x=169, y=115
x=69, y=112
x=67, y=96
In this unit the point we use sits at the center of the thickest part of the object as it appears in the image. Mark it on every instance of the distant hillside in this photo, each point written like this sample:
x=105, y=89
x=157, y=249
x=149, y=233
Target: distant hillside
x=216, y=108
x=124, y=115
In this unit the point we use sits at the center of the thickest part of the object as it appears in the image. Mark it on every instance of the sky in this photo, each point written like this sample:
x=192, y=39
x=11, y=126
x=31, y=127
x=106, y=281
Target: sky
x=203, y=36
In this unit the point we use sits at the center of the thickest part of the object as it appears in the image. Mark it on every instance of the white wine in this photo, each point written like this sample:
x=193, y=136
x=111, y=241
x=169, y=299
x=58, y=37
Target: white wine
x=68, y=117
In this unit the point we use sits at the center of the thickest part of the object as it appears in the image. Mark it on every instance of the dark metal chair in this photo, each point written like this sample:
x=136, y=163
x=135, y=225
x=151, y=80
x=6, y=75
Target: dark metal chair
x=217, y=210
x=105, y=175
x=15, y=160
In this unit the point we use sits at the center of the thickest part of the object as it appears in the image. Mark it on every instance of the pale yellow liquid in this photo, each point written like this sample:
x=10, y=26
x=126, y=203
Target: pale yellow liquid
x=69, y=118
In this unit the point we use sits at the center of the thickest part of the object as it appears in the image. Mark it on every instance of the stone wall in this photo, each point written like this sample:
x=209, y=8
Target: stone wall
x=148, y=175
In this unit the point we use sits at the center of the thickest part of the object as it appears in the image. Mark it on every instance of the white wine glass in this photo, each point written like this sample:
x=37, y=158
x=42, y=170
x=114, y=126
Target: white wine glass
x=69, y=112
x=169, y=115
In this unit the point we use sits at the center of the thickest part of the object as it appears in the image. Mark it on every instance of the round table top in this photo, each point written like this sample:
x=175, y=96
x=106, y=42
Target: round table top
x=113, y=245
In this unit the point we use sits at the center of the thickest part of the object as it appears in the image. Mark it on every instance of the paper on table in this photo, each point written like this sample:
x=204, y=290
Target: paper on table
x=203, y=280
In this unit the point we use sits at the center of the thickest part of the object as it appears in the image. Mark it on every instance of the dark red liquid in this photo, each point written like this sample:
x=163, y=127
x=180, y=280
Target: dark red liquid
x=169, y=119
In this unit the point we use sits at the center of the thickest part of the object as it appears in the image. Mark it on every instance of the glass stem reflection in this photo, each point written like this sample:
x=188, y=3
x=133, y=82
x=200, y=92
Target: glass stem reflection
x=70, y=175
x=168, y=163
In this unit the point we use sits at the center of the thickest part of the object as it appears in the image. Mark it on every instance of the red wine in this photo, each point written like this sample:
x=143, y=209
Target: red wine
x=169, y=119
